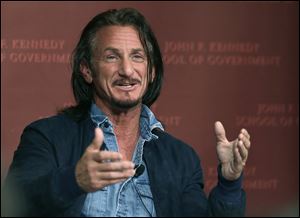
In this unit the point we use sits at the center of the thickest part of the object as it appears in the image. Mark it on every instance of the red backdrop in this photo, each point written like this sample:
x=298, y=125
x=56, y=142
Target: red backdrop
x=237, y=62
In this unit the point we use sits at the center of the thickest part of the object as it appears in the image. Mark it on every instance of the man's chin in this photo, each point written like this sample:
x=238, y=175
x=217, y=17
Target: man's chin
x=125, y=105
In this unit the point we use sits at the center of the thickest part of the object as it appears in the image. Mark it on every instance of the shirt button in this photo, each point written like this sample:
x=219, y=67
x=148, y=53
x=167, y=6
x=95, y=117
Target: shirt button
x=106, y=125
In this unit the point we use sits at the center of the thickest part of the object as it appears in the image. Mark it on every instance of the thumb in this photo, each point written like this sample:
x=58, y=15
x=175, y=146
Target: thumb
x=98, y=139
x=220, y=132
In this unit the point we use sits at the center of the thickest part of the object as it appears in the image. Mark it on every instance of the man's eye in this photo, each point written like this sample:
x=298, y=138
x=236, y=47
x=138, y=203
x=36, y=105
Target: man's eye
x=138, y=58
x=111, y=58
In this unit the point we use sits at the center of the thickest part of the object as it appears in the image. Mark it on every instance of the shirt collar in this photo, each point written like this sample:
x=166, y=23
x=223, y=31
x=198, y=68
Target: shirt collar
x=148, y=121
x=97, y=115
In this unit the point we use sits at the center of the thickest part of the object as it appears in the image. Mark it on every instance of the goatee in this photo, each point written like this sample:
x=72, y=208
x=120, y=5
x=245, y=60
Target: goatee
x=124, y=105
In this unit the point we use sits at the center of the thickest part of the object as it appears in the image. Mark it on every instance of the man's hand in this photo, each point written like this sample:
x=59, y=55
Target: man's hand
x=232, y=155
x=97, y=169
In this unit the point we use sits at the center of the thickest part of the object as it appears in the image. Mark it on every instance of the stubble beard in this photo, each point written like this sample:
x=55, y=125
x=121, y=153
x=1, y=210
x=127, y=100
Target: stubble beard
x=124, y=104
x=117, y=104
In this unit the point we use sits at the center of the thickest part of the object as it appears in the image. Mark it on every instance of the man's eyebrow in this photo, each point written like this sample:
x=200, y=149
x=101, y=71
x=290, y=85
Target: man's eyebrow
x=115, y=50
x=112, y=49
x=136, y=50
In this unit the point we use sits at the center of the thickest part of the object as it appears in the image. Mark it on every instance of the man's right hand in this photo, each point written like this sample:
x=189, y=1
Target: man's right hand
x=97, y=169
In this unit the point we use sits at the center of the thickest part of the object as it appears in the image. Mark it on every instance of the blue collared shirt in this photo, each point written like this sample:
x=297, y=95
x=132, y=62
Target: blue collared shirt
x=132, y=197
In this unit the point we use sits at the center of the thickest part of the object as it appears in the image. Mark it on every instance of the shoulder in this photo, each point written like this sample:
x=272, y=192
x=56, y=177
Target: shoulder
x=170, y=140
x=174, y=156
x=58, y=126
x=57, y=122
x=170, y=143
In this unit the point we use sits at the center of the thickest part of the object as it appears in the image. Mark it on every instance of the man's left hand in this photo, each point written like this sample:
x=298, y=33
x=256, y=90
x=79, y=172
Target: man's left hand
x=232, y=154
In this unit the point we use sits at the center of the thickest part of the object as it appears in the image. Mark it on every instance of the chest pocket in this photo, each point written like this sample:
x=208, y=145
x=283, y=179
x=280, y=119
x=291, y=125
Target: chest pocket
x=144, y=190
x=145, y=197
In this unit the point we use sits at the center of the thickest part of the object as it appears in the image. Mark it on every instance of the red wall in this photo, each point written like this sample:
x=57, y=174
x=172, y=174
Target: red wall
x=237, y=62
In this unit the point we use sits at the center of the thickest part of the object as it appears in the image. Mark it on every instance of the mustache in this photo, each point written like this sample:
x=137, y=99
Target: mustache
x=126, y=81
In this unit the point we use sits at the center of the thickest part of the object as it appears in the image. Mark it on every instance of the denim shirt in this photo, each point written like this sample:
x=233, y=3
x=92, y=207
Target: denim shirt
x=132, y=197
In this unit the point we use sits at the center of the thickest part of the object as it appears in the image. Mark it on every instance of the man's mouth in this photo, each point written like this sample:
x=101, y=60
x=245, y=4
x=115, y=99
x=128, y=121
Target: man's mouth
x=126, y=85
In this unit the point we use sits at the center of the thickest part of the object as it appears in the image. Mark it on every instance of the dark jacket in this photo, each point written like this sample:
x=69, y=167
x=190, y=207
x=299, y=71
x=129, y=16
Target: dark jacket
x=41, y=180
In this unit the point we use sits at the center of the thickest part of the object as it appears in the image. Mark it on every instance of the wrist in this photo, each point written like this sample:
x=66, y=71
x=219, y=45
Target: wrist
x=229, y=189
x=226, y=172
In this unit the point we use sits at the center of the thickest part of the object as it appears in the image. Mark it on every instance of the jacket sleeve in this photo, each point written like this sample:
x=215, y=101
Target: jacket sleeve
x=36, y=180
x=194, y=201
x=226, y=199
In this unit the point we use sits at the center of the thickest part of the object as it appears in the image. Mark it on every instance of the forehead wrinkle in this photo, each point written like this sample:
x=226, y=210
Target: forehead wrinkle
x=128, y=36
x=129, y=39
x=117, y=37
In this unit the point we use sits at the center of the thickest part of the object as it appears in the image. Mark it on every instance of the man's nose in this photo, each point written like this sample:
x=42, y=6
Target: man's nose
x=126, y=68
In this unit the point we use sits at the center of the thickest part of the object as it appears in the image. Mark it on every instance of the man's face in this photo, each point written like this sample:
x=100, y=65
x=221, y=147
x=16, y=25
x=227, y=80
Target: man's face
x=120, y=66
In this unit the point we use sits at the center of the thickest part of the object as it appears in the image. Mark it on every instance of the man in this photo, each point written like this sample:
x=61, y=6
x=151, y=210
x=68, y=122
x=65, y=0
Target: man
x=109, y=155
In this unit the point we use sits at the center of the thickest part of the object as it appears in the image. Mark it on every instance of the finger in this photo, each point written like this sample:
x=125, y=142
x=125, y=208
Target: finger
x=220, y=132
x=115, y=166
x=100, y=183
x=113, y=175
x=245, y=140
x=242, y=150
x=237, y=157
x=112, y=181
x=245, y=132
x=107, y=156
x=98, y=139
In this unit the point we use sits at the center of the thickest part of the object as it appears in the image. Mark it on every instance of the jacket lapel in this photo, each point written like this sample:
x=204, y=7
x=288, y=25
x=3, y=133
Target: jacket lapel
x=158, y=176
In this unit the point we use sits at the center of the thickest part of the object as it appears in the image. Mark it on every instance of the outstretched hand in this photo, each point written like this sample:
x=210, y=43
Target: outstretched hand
x=97, y=169
x=232, y=154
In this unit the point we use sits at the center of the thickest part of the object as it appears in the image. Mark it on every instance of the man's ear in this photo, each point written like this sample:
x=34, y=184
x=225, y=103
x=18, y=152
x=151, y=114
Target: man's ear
x=86, y=73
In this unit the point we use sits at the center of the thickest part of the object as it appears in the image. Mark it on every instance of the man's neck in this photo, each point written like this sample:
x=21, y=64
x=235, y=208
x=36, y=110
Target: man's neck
x=126, y=127
x=125, y=122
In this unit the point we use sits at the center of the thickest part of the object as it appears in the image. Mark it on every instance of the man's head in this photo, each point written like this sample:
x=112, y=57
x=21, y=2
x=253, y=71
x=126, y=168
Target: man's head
x=117, y=60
